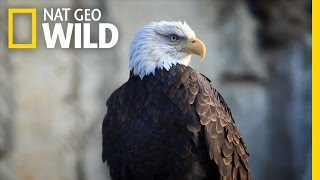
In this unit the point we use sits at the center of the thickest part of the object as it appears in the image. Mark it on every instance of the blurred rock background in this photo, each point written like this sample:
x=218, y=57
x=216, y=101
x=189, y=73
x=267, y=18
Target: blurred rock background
x=52, y=101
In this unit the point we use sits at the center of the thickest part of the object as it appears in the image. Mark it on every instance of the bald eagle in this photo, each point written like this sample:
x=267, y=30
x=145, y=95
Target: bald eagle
x=167, y=121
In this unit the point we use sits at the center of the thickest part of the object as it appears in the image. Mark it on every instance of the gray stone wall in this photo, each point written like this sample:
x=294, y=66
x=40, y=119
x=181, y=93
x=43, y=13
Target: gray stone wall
x=52, y=101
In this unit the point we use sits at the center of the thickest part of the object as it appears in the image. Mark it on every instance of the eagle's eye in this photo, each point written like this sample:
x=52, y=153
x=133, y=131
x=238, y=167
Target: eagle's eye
x=174, y=38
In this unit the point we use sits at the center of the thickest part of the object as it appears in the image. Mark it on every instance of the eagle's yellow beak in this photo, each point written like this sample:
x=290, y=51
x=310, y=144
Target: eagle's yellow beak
x=195, y=46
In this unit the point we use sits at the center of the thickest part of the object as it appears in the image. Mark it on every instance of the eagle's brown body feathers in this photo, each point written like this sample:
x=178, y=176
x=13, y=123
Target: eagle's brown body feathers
x=172, y=125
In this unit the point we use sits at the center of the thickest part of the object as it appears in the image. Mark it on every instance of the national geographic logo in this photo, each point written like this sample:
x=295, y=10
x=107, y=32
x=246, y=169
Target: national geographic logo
x=80, y=29
x=33, y=13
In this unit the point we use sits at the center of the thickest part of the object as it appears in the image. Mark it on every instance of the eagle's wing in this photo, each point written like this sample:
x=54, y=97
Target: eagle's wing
x=225, y=144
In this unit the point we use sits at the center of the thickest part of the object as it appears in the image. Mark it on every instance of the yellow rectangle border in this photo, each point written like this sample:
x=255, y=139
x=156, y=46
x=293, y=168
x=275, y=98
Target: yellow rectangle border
x=315, y=90
x=33, y=13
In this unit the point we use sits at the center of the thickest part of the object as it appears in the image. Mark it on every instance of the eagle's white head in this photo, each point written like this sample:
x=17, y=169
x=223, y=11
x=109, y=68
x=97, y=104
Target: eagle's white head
x=162, y=44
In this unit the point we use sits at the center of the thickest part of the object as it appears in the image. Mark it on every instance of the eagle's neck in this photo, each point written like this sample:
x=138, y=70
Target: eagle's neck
x=142, y=65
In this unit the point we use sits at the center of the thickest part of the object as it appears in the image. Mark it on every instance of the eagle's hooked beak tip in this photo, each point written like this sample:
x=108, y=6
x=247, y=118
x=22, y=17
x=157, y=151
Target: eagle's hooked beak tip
x=195, y=46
